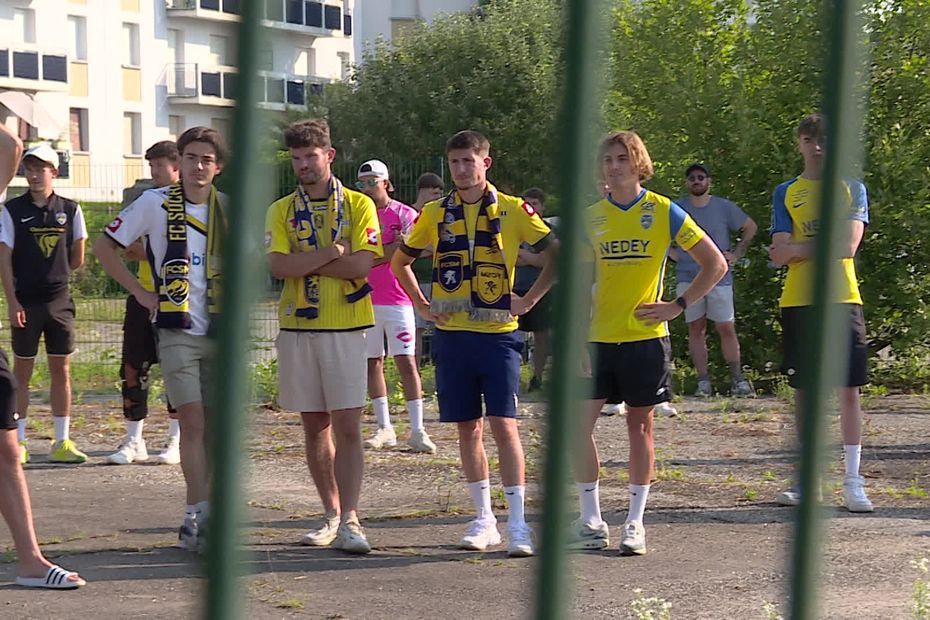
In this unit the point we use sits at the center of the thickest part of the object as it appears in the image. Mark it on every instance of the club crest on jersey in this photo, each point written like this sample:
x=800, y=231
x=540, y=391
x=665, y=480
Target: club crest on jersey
x=175, y=275
x=47, y=241
x=490, y=282
x=450, y=273
x=645, y=220
x=61, y=218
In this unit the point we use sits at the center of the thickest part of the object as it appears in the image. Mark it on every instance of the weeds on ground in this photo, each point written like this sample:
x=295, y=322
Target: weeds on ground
x=782, y=389
x=651, y=608
x=771, y=611
x=920, y=598
x=664, y=470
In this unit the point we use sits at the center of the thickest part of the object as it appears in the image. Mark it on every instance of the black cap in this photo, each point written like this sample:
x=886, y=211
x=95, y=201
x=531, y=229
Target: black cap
x=697, y=166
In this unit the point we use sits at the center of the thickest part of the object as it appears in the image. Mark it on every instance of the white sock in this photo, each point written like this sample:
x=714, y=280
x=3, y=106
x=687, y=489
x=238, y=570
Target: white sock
x=382, y=413
x=202, y=509
x=638, y=495
x=590, y=498
x=415, y=409
x=62, y=426
x=853, y=455
x=134, y=430
x=21, y=429
x=174, y=430
x=516, y=499
x=481, y=497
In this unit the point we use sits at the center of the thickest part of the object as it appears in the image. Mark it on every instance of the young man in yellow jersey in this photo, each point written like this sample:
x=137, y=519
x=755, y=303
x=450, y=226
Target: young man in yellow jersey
x=322, y=240
x=476, y=234
x=183, y=224
x=32, y=568
x=795, y=218
x=630, y=231
x=139, y=346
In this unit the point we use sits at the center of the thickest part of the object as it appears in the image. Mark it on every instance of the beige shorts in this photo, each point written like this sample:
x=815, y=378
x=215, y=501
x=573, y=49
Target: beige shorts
x=322, y=371
x=185, y=360
x=717, y=305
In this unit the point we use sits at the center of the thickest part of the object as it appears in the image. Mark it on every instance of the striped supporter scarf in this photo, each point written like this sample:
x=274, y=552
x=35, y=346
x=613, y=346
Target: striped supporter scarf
x=470, y=278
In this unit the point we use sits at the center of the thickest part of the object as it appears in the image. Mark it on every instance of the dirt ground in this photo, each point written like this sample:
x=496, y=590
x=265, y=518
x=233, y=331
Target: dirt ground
x=718, y=544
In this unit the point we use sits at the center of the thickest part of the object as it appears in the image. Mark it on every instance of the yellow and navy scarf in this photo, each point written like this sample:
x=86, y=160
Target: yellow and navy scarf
x=470, y=278
x=172, y=280
x=308, y=235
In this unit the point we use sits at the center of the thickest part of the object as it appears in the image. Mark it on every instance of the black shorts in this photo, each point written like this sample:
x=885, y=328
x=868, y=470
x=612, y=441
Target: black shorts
x=8, y=417
x=537, y=319
x=54, y=320
x=636, y=373
x=139, y=347
x=793, y=335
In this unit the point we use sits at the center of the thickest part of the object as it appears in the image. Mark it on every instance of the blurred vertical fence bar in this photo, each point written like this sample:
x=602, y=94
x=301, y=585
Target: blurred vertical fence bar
x=585, y=26
x=827, y=330
x=241, y=267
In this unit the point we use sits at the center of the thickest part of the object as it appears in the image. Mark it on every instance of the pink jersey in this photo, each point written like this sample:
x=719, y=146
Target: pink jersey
x=396, y=221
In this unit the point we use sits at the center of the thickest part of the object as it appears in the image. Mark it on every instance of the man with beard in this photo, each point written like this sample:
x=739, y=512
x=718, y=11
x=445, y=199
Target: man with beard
x=719, y=218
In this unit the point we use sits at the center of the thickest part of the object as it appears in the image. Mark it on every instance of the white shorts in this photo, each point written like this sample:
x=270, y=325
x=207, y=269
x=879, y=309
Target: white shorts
x=397, y=324
x=717, y=305
x=321, y=371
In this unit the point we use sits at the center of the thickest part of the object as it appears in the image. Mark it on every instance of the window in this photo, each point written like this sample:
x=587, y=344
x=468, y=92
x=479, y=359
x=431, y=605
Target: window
x=25, y=131
x=274, y=10
x=54, y=68
x=4, y=63
x=265, y=60
x=219, y=50
x=332, y=17
x=294, y=11
x=175, y=126
x=314, y=14
x=132, y=133
x=211, y=84
x=305, y=64
x=79, y=130
x=231, y=6
x=347, y=25
x=77, y=25
x=26, y=65
x=131, y=45
x=213, y=5
x=296, y=94
x=24, y=25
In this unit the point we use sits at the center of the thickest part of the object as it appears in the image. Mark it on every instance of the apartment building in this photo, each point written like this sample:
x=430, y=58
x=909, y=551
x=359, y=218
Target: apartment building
x=103, y=79
x=388, y=19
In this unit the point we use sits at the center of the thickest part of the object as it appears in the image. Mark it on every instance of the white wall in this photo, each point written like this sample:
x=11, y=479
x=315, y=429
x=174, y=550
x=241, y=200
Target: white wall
x=373, y=17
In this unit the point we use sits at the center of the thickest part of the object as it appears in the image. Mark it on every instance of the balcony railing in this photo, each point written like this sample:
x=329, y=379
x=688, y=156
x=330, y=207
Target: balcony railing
x=216, y=85
x=48, y=68
x=320, y=16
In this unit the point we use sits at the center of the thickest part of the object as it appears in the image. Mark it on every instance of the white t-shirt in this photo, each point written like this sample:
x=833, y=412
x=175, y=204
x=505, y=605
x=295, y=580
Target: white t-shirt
x=145, y=216
x=8, y=231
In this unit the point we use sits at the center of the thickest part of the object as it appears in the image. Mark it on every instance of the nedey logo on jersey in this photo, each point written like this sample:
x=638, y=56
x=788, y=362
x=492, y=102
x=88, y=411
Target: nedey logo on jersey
x=622, y=249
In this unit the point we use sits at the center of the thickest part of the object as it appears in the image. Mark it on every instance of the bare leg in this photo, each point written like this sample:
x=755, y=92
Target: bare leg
x=642, y=445
x=509, y=449
x=350, y=460
x=321, y=453
x=59, y=367
x=22, y=370
x=471, y=448
x=697, y=332
x=194, y=452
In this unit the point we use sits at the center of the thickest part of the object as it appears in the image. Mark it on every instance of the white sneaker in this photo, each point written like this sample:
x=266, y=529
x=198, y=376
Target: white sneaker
x=666, y=409
x=188, y=535
x=791, y=497
x=170, y=454
x=480, y=535
x=633, y=540
x=350, y=537
x=129, y=452
x=420, y=442
x=520, y=541
x=588, y=537
x=854, y=495
x=383, y=438
x=611, y=410
x=324, y=535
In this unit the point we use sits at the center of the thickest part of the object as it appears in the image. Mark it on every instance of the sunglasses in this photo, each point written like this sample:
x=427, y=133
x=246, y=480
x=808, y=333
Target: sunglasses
x=369, y=182
x=696, y=177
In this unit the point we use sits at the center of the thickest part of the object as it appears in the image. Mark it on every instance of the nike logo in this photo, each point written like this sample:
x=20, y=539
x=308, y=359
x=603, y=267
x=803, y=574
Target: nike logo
x=511, y=493
x=26, y=219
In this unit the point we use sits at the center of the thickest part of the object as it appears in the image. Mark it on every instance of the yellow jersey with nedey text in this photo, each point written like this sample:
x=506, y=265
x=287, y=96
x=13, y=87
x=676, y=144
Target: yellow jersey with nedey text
x=629, y=245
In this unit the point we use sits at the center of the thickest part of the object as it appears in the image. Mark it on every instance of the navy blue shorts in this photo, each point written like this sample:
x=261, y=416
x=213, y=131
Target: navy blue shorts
x=470, y=365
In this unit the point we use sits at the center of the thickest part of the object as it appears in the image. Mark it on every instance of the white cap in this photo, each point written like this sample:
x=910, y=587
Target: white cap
x=373, y=168
x=43, y=152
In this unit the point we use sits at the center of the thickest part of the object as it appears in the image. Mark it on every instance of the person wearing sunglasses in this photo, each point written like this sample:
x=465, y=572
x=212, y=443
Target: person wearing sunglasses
x=720, y=218
x=394, y=317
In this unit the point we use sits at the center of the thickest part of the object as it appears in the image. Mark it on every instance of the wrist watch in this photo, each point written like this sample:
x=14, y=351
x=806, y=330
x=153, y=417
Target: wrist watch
x=681, y=302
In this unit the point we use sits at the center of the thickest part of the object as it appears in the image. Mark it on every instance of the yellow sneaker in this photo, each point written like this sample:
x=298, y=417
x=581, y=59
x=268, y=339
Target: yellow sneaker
x=23, y=453
x=66, y=452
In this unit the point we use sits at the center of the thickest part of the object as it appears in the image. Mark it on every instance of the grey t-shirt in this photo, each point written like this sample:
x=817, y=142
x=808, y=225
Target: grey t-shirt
x=719, y=218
